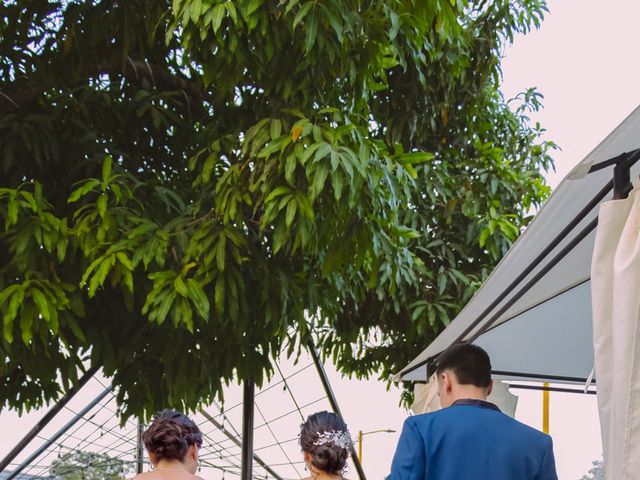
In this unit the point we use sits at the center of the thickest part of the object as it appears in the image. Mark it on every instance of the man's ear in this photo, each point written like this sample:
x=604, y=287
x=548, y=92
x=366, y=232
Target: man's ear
x=490, y=388
x=447, y=383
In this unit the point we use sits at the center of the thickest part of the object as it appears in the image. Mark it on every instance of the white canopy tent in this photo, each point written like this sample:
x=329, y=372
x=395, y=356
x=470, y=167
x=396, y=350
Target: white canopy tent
x=533, y=314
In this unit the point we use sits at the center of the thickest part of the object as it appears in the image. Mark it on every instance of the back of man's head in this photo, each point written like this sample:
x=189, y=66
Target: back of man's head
x=469, y=363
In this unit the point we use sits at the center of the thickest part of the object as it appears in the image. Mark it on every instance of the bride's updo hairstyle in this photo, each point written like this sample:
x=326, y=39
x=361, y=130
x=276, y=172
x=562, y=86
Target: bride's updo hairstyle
x=170, y=435
x=325, y=437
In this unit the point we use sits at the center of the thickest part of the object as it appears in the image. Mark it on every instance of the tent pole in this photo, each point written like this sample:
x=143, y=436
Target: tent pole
x=247, y=430
x=622, y=180
x=46, y=419
x=334, y=403
x=139, y=448
x=59, y=433
x=545, y=409
x=551, y=389
x=220, y=427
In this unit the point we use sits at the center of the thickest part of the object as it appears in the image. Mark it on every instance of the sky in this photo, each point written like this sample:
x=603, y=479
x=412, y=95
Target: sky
x=584, y=60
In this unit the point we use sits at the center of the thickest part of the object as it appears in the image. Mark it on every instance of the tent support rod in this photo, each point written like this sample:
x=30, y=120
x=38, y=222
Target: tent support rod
x=46, y=419
x=247, y=430
x=334, y=403
x=626, y=160
x=551, y=389
x=536, y=377
x=139, y=448
x=59, y=433
x=237, y=442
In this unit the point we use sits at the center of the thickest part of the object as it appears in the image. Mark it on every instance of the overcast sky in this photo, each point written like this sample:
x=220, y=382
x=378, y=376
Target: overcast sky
x=585, y=61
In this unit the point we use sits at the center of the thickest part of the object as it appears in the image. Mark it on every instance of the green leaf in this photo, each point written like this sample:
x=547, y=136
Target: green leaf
x=337, y=182
x=304, y=10
x=221, y=247
x=415, y=158
x=291, y=211
x=395, y=25
x=101, y=204
x=106, y=170
x=42, y=303
x=290, y=168
x=218, y=16
x=219, y=295
x=81, y=191
x=12, y=211
x=442, y=283
x=254, y=5
x=323, y=150
x=276, y=129
x=164, y=307
x=311, y=31
x=198, y=297
x=484, y=234
x=26, y=325
x=180, y=286
x=274, y=146
x=320, y=177
x=278, y=191
x=231, y=8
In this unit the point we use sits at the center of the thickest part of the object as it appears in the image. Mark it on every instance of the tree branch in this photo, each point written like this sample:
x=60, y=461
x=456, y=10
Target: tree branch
x=21, y=95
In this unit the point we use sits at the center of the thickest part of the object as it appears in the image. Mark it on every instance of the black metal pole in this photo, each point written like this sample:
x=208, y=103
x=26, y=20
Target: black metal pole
x=227, y=434
x=59, y=433
x=334, y=403
x=139, y=448
x=247, y=430
x=46, y=419
x=551, y=389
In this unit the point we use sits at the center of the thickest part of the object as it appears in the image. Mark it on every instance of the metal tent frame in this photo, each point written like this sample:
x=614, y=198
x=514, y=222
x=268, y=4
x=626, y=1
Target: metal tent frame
x=248, y=455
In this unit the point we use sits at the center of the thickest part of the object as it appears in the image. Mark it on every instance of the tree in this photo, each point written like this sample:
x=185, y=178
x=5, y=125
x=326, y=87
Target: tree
x=595, y=473
x=188, y=188
x=79, y=465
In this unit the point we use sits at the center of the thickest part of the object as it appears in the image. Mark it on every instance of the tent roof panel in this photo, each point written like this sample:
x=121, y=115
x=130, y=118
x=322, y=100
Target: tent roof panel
x=571, y=196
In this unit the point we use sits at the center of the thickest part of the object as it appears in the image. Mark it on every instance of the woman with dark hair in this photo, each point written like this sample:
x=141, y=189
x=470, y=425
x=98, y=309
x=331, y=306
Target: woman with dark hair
x=172, y=441
x=325, y=442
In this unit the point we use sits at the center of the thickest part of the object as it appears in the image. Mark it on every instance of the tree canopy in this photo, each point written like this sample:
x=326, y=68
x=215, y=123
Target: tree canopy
x=80, y=465
x=188, y=187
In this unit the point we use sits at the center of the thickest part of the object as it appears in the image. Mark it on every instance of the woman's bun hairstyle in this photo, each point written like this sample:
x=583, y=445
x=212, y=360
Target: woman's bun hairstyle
x=170, y=435
x=325, y=437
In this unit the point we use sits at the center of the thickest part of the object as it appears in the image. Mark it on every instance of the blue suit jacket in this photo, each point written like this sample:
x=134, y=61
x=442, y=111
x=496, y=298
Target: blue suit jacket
x=471, y=440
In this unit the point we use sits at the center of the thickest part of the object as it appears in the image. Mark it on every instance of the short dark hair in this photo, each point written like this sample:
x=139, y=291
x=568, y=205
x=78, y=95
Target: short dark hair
x=170, y=435
x=470, y=364
x=326, y=456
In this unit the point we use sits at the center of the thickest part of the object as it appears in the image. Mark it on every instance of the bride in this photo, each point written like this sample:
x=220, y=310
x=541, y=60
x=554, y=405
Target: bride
x=325, y=443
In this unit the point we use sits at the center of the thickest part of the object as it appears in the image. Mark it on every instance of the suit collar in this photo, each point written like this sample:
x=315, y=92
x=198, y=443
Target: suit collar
x=476, y=402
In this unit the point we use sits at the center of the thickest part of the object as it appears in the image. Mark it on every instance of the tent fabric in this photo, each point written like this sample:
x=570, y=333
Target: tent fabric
x=427, y=399
x=615, y=280
x=543, y=301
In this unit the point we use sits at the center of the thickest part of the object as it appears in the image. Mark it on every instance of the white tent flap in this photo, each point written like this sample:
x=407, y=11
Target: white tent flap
x=615, y=281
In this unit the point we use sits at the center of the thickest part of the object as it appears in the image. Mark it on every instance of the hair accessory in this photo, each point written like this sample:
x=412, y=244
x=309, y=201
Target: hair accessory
x=338, y=437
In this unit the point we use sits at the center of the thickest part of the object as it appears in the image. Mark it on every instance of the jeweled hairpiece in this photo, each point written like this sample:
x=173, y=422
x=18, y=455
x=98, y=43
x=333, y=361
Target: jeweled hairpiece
x=339, y=438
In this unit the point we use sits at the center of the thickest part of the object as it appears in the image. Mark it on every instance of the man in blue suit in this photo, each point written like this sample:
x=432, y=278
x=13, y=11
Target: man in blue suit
x=469, y=438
